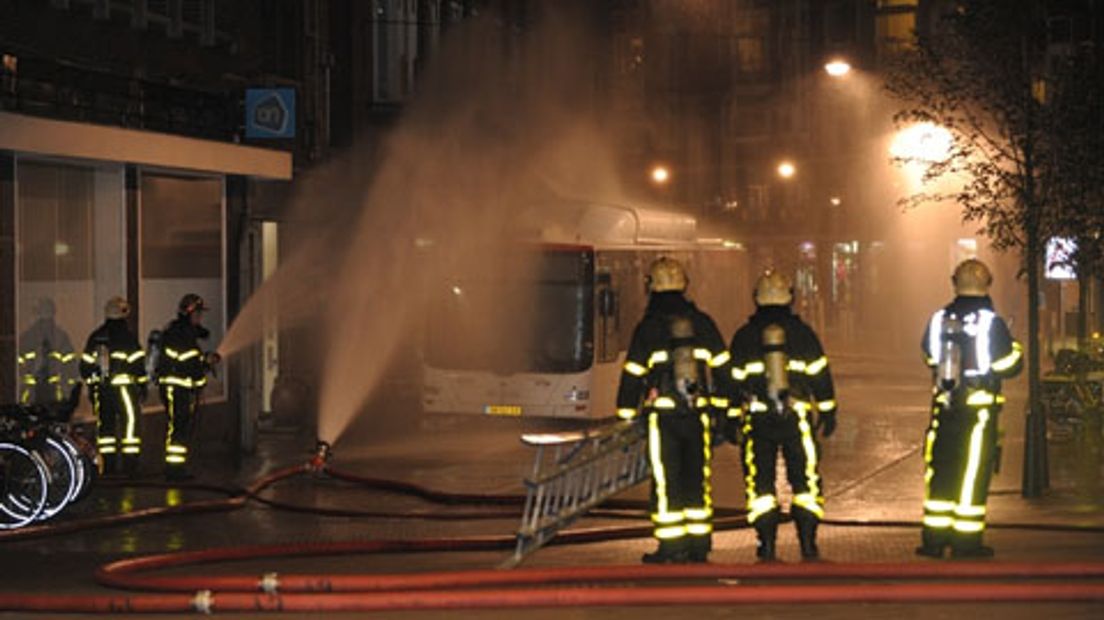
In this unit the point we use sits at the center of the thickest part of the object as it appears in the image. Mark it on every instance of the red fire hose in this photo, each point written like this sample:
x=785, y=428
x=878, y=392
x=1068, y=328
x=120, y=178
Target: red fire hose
x=526, y=587
x=235, y=501
x=207, y=602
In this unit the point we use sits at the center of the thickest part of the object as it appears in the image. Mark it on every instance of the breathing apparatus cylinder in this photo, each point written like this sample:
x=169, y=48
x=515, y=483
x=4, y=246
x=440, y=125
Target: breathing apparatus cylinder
x=103, y=361
x=778, y=381
x=949, y=369
x=687, y=381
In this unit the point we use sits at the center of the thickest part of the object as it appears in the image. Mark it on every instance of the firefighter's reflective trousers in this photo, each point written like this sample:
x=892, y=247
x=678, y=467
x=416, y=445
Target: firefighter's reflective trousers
x=959, y=451
x=118, y=420
x=680, y=455
x=180, y=405
x=765, y=433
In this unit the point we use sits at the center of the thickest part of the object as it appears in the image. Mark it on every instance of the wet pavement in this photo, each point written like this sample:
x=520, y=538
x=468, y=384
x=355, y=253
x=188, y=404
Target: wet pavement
x=872, y=471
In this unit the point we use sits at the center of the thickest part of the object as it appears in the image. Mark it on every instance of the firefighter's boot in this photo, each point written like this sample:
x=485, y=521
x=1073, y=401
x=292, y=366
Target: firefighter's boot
x=698, y=548
x=668, y=552
x=131, y=465
x=766, y=528
x=933, y=542
x=969, y=546
x=178, y=473
x=110, y=465
x=806, y=524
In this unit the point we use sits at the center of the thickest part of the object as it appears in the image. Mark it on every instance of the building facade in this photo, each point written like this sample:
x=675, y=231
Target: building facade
x=125, y=170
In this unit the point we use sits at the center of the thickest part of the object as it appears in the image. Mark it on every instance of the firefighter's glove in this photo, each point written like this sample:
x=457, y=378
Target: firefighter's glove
x=826, y=423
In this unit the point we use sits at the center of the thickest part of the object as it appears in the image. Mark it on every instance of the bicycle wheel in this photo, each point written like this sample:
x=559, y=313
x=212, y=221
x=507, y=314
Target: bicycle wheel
x=62, y=476
x=82, y=474
x=23, y=486
x=86, y=459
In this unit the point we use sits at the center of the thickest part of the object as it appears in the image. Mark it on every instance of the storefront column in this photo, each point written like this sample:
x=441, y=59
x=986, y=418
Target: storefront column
x=133, y=245
x=7, y=281
x=236, y=226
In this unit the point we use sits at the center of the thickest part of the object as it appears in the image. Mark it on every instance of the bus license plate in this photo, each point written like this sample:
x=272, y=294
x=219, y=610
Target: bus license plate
x=502, y=409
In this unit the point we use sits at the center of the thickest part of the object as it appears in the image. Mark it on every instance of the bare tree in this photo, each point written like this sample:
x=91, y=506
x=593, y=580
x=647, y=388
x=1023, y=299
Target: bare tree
x=979, y=75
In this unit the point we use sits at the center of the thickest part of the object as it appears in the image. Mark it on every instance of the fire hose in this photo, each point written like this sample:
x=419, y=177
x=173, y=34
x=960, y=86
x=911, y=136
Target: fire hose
x=526, y=587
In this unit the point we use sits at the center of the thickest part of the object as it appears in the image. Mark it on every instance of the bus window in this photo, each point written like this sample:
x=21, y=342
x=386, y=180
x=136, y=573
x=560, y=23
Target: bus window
x=535, y=318
x=608, y=319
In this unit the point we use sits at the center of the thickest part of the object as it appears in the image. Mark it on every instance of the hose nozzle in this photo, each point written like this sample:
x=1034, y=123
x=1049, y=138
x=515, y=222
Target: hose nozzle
x=322, y=453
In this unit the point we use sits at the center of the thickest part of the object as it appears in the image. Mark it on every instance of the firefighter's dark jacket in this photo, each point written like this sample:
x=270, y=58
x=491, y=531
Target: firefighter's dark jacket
x=127, y=359
x=647, y=376
x=1004, y=358
x=810, y=378
x=182, y=362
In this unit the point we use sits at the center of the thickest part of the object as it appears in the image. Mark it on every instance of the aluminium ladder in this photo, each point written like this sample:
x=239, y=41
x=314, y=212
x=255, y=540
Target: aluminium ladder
x=573, y=472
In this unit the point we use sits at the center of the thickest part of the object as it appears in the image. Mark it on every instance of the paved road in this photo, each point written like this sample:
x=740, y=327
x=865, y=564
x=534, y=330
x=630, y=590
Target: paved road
x=871, y=467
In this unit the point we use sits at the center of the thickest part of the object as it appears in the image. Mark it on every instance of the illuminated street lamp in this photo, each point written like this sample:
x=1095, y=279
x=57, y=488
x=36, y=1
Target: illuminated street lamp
x=837, y=67
x=660, y=175
x=786, y=170
x=922, y=142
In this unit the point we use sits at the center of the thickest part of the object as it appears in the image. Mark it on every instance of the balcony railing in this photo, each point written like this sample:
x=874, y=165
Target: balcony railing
x=50, y=88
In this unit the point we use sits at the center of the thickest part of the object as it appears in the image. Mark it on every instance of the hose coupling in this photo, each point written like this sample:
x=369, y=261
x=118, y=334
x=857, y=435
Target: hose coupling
x=203, y=601
x=322, y=453
x=270, y=583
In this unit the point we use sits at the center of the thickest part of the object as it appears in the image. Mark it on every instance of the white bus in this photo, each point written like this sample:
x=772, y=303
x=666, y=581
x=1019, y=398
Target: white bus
x=546, y=335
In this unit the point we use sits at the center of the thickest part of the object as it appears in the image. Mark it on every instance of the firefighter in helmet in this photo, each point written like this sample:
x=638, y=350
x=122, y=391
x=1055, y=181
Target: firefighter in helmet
x=668, y=385
x=113, y=367
x=181, y=376
x=783, y=393
x=970, y=350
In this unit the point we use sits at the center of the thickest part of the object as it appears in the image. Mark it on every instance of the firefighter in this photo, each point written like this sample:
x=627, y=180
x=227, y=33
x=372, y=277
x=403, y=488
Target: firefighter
x=47, y=362
x=970, y=350
x=181, y=376
x=667, y=386
x=782, y=394
x=113, y=367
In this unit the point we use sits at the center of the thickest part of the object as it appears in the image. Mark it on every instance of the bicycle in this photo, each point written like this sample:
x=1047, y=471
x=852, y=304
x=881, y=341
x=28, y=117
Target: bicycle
x=45, y=465
x=1073, y=393
x=24, y=486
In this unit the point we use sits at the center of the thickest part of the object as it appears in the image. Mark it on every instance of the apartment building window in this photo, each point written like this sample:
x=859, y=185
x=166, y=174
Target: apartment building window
x=758, y=198
x=750, y=55
x=629, y=52
x=750, y=50
x=895, y=24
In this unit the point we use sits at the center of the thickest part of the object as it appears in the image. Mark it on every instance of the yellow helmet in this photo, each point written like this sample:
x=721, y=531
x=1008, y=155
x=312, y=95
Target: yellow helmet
x=666, y=274
x=773, y=289
x=117, y=308
x=972, y=278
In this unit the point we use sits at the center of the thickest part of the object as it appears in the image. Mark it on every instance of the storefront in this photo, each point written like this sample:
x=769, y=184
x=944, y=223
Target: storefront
x=88, y=212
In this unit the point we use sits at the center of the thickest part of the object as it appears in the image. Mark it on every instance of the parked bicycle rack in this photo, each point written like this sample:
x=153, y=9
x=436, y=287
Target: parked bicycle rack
x=573, y=472
x=43, y=465
x=1072, y=394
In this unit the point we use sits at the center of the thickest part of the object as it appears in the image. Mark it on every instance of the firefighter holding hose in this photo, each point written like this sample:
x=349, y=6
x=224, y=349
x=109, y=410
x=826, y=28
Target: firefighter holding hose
x=782, y=393
x=669, y=386
x=182, y=369
x=970, y=351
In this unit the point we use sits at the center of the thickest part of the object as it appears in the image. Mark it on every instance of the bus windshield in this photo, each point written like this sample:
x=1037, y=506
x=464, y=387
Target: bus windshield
x=530, y=313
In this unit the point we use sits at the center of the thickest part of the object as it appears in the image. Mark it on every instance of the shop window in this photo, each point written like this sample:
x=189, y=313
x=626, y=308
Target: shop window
x=181, y=252
x=70, y=261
